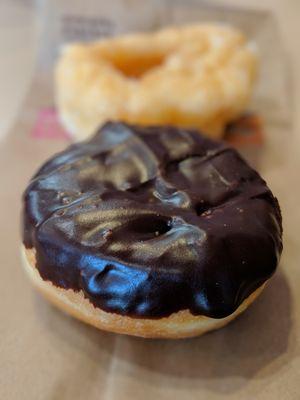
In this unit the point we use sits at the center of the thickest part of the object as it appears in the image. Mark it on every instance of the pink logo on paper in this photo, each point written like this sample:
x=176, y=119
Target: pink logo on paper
x=47, y=126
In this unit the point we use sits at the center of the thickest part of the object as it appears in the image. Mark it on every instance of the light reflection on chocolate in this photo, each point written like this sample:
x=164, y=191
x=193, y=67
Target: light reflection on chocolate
x=151, y=220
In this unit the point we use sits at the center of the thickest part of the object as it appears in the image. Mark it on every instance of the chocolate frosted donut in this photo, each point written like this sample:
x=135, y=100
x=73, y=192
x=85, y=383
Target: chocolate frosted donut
x=146, y=224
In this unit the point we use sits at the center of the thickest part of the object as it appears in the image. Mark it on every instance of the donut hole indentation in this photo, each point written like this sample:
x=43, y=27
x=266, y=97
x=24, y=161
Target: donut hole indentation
x=134, y=64
x=202, y=207
x=149, y=227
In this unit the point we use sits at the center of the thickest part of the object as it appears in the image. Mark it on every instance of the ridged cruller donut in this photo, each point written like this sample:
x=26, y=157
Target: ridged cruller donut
x=198, y=76
x=150, y=231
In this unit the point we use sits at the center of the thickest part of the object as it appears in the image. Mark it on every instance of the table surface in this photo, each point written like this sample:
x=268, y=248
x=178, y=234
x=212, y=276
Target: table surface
x=46, y=355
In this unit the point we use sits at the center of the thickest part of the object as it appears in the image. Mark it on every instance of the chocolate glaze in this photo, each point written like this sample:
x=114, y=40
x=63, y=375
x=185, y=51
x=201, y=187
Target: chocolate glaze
x=147, y=221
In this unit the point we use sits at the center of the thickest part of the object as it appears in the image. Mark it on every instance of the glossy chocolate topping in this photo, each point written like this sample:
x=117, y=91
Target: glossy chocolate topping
x=150, y=221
